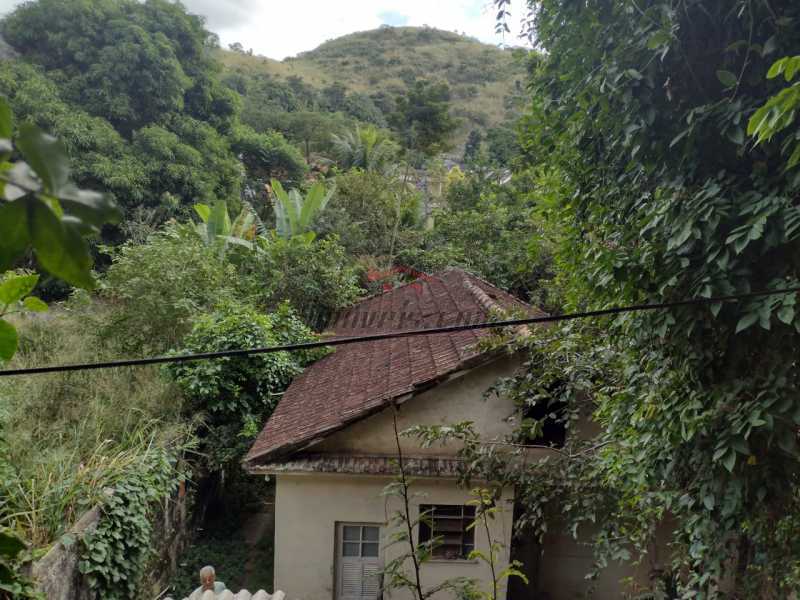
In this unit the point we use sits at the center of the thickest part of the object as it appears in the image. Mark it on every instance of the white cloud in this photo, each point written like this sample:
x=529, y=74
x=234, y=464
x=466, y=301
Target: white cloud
x=277, y=28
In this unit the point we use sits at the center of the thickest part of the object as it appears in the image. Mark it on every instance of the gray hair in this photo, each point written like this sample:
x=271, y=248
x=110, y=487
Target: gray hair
x=207, y=571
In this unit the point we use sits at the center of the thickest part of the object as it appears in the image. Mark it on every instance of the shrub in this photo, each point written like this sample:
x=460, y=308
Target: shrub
x=318, y=277
x=158, y=287
x=236, y=394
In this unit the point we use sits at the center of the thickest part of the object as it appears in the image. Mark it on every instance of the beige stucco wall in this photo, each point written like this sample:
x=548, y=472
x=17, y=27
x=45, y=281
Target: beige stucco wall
x=460, y=399
x=308, y=507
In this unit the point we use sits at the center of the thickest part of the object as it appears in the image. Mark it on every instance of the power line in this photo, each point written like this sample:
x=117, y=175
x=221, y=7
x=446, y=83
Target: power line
x=341, y=341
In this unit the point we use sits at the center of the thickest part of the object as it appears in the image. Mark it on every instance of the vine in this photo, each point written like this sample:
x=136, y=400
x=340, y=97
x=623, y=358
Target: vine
x=114, y=555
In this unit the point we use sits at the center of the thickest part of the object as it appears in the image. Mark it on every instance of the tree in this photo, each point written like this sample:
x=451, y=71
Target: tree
x=366, y=148
x=778, y=113
x=422, y=118
x=648, y=190
x=134, y=92
x=236, y=395
x=126, y=61
x=473, y=146
x=266, y=156
x=367, y=212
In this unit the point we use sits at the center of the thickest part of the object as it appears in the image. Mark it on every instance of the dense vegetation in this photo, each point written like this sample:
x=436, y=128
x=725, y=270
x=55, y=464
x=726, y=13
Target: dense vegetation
x=252, y=209
x=363, y=73
x=648, y=189
x=656, y=160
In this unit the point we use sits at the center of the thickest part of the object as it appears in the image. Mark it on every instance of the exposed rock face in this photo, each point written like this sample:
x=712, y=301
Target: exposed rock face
x=57, y=574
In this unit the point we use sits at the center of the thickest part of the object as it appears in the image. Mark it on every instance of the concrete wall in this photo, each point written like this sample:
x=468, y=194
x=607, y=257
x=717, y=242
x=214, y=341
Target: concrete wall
x=460, y=399
x=308, y=507
x=57, y=575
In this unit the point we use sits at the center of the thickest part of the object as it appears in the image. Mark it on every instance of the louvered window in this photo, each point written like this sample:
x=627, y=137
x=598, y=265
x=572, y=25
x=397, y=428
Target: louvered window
x=446, y=528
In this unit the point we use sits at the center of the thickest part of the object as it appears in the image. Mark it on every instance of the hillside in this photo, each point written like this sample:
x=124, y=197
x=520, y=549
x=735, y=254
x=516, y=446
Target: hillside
x=483, y=79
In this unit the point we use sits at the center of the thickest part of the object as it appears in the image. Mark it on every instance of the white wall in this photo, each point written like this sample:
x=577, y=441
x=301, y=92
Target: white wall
x=458, y=400
x=307, y=508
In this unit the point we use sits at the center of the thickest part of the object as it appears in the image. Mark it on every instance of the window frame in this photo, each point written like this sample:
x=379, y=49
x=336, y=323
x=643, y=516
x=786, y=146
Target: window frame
x=427, y=532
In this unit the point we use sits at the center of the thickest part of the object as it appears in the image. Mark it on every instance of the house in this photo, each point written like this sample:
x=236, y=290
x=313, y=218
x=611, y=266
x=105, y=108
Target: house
x=331, y=447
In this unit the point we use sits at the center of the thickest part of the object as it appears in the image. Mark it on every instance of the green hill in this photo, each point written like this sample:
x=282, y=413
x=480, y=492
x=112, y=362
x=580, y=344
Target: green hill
x=484, y=80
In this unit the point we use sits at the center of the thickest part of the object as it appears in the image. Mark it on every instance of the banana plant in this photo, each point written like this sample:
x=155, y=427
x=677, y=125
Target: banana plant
x=216, y=225
x=294, y=214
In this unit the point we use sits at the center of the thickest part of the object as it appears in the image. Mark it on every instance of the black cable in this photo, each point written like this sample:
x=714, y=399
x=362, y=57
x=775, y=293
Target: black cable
x=391, y=335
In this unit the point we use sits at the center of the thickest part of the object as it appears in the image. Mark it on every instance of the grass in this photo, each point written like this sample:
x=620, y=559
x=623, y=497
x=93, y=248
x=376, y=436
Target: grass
x=481, y=76
x=67, y=436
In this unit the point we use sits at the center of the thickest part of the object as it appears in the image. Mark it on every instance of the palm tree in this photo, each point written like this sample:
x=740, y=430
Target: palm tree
x=368, y=148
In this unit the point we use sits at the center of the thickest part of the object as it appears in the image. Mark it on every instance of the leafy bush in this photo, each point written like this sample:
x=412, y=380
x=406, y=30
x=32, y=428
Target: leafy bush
x=367, y=211
x=651, y=191
x=157, y=288
x=237, y=394
x=318, y=277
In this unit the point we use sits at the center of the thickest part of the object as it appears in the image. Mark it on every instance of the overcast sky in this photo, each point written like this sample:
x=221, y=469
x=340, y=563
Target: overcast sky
x=281, y=28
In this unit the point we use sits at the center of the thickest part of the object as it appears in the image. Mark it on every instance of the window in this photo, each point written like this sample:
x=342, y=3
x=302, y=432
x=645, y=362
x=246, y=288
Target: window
x=360, y=540
x=446, y=529
x=552, y=415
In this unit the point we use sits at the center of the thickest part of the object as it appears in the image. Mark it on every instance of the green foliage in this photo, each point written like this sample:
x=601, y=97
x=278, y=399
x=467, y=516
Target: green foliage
x=422, y=119
x=114, y=555
x=648, y=190
x=318, y=277
x=129, y=62
x=366, y=148
x=15, y=290
x=42, y=208
x=217, y=229
x=185, y=161
x=295, y=214
x=367, y=211
x=158, y=287
x=12, y=584
x=473, y=146
x=489, y=231
x=267, y=156
x=486, y=509
x=779, y=112
x=74, y=433
x=237, y=394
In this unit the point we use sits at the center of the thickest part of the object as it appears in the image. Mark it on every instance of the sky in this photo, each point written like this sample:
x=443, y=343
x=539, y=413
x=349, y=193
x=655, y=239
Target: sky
x=281, y=28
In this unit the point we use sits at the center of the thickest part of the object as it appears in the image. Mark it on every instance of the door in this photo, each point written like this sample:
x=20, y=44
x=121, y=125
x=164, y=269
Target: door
x=358, y=561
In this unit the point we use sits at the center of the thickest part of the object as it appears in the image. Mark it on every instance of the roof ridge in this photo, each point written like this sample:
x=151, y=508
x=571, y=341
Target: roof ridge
x=490, y=305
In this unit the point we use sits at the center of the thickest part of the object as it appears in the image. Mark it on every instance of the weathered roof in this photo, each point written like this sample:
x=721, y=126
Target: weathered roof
x=358, y=380
x=362, y=464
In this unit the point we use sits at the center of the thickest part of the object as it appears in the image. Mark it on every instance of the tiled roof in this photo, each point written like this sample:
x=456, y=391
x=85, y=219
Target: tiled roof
x=357, y=380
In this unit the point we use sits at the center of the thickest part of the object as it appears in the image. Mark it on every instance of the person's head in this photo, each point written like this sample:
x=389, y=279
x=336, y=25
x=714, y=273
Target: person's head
x=207, y=577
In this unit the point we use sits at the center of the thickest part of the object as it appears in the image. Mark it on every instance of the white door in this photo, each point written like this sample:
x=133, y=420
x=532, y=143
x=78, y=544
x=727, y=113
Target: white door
x=358, y=561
